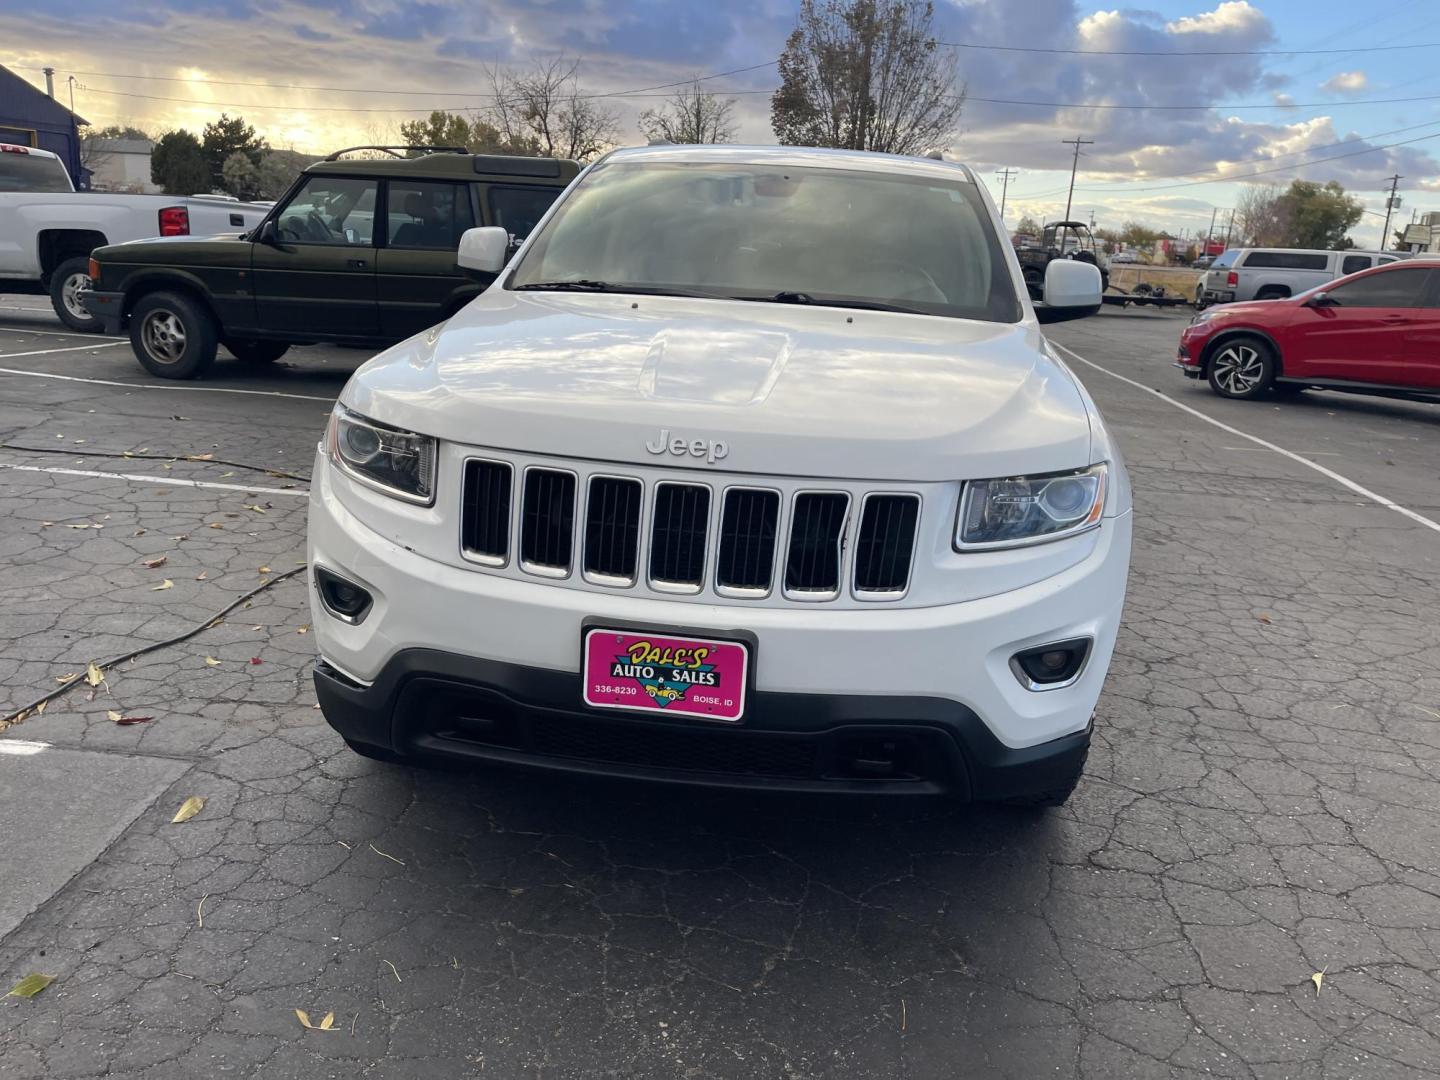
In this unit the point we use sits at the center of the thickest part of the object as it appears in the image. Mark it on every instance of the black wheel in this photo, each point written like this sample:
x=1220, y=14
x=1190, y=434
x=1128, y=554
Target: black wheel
x=173, y=336
x=256, y=351
x=68, y=286
x=1055, y=796
x=1200, y=298
x=1242, y=367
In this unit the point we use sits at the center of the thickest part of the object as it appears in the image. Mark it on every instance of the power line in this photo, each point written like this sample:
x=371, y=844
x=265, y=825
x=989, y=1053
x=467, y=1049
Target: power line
x=367, y=90
x=1181, y=52
x=1198, y=108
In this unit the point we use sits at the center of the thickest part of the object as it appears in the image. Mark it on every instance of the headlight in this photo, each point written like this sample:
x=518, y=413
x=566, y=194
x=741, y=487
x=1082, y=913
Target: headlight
x=1203, y=316
x=1019, y=510
x=399, y=463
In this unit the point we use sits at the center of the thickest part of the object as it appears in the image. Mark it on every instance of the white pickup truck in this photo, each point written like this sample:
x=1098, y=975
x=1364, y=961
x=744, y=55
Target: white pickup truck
x=48, y=229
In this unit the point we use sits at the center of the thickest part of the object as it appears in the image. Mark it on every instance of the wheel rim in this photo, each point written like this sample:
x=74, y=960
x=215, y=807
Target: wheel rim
x=164, y=336
x=72, y=295
x=1238, y=369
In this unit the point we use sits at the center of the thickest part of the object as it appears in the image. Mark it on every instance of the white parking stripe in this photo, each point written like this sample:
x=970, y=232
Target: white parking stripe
x=167, y=481
x=146, y=386
x=8, y=329
x=1344, y=481
x=67, y=348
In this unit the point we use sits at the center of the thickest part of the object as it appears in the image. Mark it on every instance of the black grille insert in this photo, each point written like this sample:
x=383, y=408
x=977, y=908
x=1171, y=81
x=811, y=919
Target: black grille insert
x=885, y=543
x=677, y=539
x=812, y=564
x=612, y=528
x=547, y=529
x=485, y=510
x=746, y=559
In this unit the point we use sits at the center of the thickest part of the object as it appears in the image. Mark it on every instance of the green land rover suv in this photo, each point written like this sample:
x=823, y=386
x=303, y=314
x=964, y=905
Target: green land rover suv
x=360, y=251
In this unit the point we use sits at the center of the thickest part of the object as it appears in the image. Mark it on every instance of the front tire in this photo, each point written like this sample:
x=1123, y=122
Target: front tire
x=173, y=336
x=256, y=351
x=1242, y=368
x=68, y=286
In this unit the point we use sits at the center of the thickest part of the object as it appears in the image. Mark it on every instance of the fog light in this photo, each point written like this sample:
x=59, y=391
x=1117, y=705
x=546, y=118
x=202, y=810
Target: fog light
x=1050, y=666
x=345, y=600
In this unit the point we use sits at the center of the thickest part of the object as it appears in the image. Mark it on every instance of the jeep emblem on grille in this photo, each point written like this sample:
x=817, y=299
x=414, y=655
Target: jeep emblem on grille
x=712, y=450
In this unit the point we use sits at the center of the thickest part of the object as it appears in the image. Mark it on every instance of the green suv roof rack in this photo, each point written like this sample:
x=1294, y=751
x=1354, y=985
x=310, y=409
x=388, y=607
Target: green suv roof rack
x=391, y=150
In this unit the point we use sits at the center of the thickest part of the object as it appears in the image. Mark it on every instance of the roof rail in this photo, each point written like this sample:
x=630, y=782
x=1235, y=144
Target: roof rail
x=338, y=154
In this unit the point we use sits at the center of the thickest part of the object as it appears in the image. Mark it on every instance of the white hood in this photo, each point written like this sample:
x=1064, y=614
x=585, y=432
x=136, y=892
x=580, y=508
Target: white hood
x=790, y=390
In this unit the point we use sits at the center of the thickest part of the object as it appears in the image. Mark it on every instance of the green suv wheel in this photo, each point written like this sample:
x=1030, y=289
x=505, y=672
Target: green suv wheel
x=256, y=351
x=173, y=336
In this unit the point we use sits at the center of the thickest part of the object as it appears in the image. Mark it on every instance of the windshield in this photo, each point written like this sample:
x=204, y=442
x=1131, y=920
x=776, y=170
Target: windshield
x=793, y=234
x=1225, y=259
x=23, y=171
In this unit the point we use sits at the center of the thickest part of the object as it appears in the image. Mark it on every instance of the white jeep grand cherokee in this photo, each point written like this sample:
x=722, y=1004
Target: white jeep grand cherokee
x=752, y=468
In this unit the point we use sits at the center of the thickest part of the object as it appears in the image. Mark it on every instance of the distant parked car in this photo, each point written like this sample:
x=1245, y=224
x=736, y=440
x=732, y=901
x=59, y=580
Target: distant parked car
x=1203, y=262
x=1372, y=332
x=1275, y=273
x=1121, y=257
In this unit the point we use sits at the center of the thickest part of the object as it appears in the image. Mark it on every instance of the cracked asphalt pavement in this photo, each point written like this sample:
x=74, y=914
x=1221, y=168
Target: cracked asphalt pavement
x=1262, y=803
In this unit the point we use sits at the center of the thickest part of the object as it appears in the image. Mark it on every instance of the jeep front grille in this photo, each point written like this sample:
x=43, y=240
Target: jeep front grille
x=547, y=529
x=707, y=534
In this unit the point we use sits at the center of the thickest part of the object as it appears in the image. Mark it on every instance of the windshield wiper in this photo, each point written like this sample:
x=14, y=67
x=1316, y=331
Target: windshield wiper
x=588, y=285
x=789, y=297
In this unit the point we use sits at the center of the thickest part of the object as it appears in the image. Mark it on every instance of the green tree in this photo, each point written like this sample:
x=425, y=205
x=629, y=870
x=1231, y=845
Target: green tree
x=178, y=164
x=1319, y=216
x=1134, y=234
x=866, y=75
x=1029, y=226
x=240, y=176
x=226, y=136
x=439, y=129
x=277, y=171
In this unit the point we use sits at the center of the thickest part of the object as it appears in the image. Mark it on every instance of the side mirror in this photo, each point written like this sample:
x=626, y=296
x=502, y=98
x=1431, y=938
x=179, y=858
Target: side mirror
x=1072, y=291
x=268, y=233
x=484, y=250
x=1319, y=299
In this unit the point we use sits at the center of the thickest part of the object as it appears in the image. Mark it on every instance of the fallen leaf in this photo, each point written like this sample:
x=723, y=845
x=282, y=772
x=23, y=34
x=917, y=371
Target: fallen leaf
x=182, y=536
x=179, y=418
x=264, y=569
x=166, y=584
x=304, y=629
x=188, y=809
x=210, y=661
x=69, y=676
x=257, y=509
x=223, y=475
x=1263, y=617
x=138, y=532
x=216, y=525
x=1317, y=979
x=87, y=525
x=257, y=626
x=126, y=721
x=30, y=985
x=41, y=707
x=113, y=715
x=202, y=575
x=46, y=524
x=200, y=457
x=326, y=1024
x=256, y=660
x=93, y=675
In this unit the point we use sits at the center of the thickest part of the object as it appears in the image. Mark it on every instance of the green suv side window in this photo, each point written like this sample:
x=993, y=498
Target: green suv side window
x=330, y=210
x=519, y=209
x=420, y=214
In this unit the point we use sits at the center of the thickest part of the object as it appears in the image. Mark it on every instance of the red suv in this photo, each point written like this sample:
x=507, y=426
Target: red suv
x=1375, y=332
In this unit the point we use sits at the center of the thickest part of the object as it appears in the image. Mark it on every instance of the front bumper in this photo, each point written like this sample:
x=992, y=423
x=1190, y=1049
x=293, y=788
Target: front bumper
x=108, y=307
x=453, y=660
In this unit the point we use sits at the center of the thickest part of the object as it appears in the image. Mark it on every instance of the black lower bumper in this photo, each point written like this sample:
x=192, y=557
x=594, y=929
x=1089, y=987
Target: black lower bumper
x=434, y=704
x=108, y=307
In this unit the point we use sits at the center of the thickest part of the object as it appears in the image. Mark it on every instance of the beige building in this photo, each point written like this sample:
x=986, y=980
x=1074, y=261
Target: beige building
x=121, y=165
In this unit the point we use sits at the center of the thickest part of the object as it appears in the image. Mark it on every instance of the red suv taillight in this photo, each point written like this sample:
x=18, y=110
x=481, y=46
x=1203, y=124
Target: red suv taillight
x=174, y=221
x=1232, y=279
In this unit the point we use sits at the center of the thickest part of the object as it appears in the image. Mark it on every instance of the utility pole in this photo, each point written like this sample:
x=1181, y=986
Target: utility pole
x=1210, y=232
x=1006, y=175
x=1074, y=165
x=1390, y=204
x=1228, y=227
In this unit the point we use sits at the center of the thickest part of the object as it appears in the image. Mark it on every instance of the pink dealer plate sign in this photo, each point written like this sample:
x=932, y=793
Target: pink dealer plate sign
x=664, y=674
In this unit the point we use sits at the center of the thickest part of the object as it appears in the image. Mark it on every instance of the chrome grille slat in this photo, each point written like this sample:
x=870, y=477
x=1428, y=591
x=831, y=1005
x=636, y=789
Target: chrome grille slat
x=885, y=543
x=745, y=561
x=612, y=530
x=817, y=527
x=547, y=530
x=485, y=515
x=678, y=534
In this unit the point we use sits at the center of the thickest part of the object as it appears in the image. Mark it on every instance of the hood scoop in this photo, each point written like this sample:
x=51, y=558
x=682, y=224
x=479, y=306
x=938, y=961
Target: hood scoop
x=714, y=366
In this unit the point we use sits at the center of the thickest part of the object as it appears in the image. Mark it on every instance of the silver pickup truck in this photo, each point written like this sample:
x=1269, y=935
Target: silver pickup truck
x=48, y=229
x=1275, y=273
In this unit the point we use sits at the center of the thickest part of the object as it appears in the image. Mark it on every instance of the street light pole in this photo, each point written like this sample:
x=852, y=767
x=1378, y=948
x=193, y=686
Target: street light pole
x=1074, y=165
x=1006, y=175
x=1389, y=206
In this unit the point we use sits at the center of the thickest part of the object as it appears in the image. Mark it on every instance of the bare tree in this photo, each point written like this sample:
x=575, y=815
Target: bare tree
x=866, y=75
x=1263, y=215
x=693, y=115
x=543, y=106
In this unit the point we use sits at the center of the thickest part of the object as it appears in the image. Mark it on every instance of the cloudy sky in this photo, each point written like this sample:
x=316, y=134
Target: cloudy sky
x=356, y=68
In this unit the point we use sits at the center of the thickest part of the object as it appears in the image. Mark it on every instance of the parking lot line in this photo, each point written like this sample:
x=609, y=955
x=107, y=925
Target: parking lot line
x=146, y=386
x=66, y=348
x=1344, y=481
x=6, y=329
x=168, y=481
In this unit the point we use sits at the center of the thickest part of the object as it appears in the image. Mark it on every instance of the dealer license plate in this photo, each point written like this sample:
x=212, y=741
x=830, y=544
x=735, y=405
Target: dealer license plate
x=661, y=673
